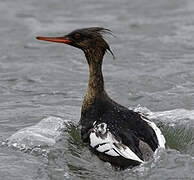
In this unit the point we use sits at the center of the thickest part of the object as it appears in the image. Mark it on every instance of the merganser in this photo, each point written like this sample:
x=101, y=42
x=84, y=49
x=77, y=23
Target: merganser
x=123, y=137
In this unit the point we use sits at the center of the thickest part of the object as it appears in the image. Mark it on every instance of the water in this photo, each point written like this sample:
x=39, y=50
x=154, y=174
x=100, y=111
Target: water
x=42, y=85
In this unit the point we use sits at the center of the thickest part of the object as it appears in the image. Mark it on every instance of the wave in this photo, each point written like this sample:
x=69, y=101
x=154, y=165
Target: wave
x=177, y=126
x=170, y=117
x=39, y=137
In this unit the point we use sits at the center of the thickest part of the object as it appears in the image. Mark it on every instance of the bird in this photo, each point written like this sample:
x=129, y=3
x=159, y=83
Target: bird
x=116, y=134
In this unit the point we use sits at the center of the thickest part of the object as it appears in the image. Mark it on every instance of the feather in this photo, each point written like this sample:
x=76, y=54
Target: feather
x=104, y=141
x=159, y=135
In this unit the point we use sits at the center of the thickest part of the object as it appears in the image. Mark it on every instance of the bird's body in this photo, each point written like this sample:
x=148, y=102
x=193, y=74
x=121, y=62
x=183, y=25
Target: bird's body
x=114, y=133
x=106, y=123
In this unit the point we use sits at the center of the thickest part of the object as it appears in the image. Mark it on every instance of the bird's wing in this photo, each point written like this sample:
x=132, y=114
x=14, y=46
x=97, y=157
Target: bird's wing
x=103, y=141
x=144, y=129
x=159, y=135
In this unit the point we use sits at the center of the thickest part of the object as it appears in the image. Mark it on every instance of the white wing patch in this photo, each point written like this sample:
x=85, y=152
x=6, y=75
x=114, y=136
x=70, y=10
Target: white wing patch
x=159, y=135
x=103, y=141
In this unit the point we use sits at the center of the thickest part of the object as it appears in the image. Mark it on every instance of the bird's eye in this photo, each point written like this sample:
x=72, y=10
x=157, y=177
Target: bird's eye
x=77, y=36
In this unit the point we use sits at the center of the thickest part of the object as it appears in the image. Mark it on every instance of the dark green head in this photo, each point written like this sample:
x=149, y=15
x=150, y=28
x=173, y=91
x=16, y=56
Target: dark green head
x=86, y=39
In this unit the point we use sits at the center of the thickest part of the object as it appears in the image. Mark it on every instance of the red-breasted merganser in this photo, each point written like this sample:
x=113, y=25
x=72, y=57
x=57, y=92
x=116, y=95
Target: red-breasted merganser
x=113, y=132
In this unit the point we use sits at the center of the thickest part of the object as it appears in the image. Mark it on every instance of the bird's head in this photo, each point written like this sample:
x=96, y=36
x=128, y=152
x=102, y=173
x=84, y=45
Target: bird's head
x=87, y=39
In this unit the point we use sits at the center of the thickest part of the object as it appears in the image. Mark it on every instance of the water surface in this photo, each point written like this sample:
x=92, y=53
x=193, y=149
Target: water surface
x=45, y=82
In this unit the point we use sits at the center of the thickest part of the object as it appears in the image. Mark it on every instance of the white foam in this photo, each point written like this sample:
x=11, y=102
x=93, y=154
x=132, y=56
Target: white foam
x=45, y=133
x=171, y=117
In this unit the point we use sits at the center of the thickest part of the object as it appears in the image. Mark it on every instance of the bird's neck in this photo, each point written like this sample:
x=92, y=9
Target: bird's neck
x=96, y=82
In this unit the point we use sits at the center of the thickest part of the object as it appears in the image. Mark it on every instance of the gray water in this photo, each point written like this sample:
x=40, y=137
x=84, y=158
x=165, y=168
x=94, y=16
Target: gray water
x=42, y=85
